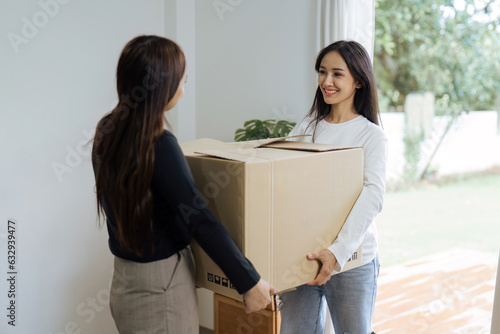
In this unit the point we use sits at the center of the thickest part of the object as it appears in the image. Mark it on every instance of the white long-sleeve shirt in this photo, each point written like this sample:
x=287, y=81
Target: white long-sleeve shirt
x=359, y=227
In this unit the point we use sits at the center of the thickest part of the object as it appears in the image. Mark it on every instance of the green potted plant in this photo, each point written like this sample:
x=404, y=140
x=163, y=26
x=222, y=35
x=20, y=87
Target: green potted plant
x=269, y=128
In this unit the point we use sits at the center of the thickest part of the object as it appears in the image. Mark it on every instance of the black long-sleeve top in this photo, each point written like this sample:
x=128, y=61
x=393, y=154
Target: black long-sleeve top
x=179, y=213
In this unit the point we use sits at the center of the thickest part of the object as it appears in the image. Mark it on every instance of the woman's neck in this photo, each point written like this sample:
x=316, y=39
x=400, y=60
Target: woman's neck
x=341, y=115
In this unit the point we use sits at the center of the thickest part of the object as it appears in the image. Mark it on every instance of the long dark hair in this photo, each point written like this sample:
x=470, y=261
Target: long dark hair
x=360, y=66
x=149, y=71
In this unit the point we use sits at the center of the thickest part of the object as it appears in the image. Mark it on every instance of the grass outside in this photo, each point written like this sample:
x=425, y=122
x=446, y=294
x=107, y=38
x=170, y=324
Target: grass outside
x=458, y=212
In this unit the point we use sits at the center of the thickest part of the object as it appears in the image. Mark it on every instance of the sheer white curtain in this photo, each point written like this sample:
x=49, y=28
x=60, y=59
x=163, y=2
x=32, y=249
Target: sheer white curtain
x=345, y=19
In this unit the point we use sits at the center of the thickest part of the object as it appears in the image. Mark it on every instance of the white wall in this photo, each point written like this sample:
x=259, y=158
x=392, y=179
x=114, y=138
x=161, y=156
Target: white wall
x=472, y=144
x=52, y=93
x=254, y=59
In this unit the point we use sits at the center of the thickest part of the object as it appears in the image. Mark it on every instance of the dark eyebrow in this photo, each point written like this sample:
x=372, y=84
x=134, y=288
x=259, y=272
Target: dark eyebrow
x=333, y=69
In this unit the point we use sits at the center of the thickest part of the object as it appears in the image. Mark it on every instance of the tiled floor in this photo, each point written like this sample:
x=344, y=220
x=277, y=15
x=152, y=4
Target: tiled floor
x=450, y=292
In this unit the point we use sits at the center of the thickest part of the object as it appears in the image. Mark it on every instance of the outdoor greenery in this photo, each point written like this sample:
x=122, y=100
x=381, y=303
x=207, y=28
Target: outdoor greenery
x=257, y=129
x=448, y=47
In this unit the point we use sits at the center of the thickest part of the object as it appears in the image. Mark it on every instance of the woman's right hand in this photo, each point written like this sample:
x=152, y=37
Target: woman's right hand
x=258, y=297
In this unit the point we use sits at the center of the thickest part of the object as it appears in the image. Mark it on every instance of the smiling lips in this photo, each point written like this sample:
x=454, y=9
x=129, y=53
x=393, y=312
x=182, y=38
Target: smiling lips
x=330, y=92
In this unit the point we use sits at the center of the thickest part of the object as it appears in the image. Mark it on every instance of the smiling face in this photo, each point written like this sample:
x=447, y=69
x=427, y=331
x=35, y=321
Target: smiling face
x=336, y=82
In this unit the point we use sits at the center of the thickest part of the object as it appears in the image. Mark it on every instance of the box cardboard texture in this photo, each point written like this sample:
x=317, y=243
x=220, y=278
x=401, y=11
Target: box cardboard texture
x=230, y=317
x=278, y=203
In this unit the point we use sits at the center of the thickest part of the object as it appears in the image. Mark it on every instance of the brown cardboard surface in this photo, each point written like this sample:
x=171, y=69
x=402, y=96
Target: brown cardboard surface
x=303, y=146
x=277, y=205
x=189, y=147
x=230, y=317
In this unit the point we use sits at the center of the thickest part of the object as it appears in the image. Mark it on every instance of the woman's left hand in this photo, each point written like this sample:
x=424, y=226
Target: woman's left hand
x=328, y=261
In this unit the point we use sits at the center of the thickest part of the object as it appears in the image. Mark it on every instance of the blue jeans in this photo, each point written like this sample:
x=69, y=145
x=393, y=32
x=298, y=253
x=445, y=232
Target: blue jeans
x=350, y=297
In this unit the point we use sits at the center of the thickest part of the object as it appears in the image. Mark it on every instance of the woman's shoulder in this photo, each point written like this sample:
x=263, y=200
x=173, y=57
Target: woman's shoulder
x=167, y=140
x=304, y=123
x=167, y=136
x=168, y=152
x=301, y=128
x=375, y=131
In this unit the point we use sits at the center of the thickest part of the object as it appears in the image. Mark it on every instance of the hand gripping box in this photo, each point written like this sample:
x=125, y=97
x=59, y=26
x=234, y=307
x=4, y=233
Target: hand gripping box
x=279, y=201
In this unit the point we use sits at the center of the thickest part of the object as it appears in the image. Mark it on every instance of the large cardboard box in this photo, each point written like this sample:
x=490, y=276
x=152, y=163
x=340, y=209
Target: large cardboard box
x=278, y=201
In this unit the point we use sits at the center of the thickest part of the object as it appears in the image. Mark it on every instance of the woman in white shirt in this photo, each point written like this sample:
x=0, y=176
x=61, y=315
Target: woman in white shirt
x=344, y=112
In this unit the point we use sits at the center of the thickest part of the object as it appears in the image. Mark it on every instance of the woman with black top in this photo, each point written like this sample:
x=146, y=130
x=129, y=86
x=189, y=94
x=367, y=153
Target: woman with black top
x=142, y=181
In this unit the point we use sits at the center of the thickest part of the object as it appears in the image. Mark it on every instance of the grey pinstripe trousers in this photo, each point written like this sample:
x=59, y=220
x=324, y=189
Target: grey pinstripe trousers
x=155, y=298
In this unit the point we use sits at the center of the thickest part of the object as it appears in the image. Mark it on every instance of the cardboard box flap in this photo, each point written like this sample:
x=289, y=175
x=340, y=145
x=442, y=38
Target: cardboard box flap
x=303, y=146
x=243, y=155
x=190, y=147
x=194, y=147
x=244, y=151
x=262, y=142
x=256, y=143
